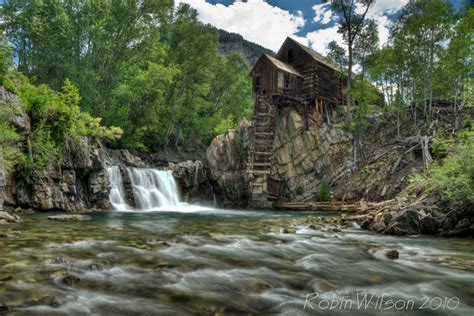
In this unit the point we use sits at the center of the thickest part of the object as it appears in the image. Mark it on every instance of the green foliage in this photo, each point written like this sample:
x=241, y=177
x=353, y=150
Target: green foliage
x=454, y=178
x=366, y=172
x=146, y=66
x=58, y=126
x=5, y=60
x=224, y=125
x=44, y=152
x=467, y=122
x=8, y=138
x=441, y=145
x=324, y=192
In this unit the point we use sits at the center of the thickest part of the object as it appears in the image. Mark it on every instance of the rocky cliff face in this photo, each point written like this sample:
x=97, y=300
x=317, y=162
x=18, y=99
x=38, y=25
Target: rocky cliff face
x=308, y=153
x=303, y=157
x=227, y=159
x=79, y=184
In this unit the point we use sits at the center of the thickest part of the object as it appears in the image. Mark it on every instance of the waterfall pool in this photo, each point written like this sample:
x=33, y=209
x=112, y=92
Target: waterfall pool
x=226, y=263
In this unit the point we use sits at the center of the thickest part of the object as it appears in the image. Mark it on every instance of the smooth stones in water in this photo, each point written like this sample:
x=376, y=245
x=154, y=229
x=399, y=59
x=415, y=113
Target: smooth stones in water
x=70, y=218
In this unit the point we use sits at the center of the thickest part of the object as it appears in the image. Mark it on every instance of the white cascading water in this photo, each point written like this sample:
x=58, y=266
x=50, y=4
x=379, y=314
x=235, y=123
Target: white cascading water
x=117, y=192
x=153, y=188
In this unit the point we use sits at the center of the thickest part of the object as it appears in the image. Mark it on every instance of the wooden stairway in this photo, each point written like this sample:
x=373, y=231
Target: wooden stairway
x=259, y=162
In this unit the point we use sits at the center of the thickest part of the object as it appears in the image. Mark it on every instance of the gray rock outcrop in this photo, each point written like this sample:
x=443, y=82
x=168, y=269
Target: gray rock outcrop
x=227, y=159
x=305, y=155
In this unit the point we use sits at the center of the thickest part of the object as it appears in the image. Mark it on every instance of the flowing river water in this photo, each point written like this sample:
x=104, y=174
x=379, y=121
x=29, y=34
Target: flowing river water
x=185, y=260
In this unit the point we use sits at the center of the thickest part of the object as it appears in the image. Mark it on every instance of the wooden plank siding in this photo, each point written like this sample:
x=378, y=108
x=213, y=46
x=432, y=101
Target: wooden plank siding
x=272, y=77
x=320, y=76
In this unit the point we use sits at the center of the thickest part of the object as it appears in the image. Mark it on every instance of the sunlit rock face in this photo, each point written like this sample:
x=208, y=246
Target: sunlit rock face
x=227, y=158
x=80, y=184
x=307, y=152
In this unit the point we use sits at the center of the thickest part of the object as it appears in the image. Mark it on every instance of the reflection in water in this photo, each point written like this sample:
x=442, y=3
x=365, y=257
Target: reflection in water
x=168, y=263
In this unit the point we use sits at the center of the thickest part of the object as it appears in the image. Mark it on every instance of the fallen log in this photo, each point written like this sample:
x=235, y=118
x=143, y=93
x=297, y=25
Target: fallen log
x=336, y=206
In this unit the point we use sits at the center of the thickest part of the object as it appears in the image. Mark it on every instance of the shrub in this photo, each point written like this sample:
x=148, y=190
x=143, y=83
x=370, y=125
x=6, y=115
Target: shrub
x=324, y=193
x=455, y=177
x=8, y=137
x=224, y=125
x=441, y=145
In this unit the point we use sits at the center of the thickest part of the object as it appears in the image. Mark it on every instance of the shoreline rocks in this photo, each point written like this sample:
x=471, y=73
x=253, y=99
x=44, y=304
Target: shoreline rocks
x=9, y=218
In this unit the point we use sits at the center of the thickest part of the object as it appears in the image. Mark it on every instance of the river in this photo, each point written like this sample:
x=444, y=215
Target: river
x=185, y=260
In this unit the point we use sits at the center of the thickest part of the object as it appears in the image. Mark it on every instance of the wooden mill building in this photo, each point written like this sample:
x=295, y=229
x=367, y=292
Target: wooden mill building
x=298, y=77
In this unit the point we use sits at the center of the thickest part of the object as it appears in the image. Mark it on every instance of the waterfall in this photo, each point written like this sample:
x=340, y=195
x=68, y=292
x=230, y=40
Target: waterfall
x=153, y=188
x=117, y=191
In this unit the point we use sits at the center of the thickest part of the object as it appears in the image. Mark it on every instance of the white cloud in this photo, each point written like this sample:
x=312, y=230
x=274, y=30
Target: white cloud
x=323, y=13
x=319, y=39
x=255, y=20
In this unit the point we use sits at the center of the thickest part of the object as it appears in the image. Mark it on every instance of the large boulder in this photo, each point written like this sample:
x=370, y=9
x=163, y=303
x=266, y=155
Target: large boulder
x=193, y=181
x=227, y=157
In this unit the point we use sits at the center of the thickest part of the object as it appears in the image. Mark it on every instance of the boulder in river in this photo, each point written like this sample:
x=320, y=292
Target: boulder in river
x=392, y=254
x=9, y=218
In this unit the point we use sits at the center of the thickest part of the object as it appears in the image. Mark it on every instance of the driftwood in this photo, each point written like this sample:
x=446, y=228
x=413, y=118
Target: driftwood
x=337, y=206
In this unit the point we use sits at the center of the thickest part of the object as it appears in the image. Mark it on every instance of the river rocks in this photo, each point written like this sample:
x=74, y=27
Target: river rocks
x=48, y=300
x=70, y=218
x=70, y=280
x=392, y=254
x=9, y=218
x=227, y=156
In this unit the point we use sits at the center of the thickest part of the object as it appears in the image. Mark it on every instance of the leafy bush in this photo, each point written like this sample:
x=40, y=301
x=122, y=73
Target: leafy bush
x=43, y=153
x=224, y=125
x=324, y=193
x=455, y=177
x=441, y=145
x=8, y=137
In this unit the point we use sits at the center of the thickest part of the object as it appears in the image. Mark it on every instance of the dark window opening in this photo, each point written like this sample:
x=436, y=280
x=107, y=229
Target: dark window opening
x=291, y=56
x=258, y=83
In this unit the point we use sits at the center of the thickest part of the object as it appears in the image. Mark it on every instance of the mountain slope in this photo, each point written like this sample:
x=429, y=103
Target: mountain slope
x=234, y=43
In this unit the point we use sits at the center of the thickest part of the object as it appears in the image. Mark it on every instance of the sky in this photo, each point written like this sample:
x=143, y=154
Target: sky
x=269, y=22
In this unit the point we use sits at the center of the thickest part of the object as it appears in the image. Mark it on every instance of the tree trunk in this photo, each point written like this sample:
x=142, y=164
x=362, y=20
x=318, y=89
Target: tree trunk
x=349, y=84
